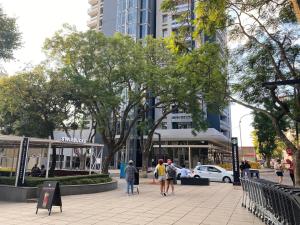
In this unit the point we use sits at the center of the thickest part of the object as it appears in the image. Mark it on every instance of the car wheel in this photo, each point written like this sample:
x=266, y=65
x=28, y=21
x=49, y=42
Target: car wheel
x=226, y=180
x=178, y=176
x=197, y=176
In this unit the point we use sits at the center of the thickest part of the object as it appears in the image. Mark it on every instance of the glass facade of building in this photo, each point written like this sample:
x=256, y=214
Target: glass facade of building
x=135, y=18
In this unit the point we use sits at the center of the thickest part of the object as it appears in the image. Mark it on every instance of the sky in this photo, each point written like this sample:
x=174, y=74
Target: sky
x=39, y=19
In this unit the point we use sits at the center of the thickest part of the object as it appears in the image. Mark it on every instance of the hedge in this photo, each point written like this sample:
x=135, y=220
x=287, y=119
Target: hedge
x=69, y=180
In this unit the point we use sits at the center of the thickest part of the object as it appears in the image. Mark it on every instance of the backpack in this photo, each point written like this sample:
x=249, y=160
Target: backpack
x=171, y=171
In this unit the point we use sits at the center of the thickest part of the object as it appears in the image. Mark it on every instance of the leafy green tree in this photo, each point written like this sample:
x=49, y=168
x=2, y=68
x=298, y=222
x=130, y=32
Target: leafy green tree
x=108, y=80
x=266, y=48
x=115, y=79
x=266, y=137
x=34, y=103
x=10, y=37
x=178, y=84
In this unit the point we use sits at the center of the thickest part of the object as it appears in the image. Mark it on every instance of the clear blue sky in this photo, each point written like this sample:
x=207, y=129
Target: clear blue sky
x=39, y=19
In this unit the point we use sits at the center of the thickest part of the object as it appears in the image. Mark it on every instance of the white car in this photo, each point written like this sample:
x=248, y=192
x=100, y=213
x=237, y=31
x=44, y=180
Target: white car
x=178, y=170
x=213, y=173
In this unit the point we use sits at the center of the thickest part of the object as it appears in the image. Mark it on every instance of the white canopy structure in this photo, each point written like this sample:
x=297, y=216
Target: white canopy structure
x=12, y=142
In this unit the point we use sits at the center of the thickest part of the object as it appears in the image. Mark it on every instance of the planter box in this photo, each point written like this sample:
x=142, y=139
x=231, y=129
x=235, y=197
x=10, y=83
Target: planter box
x=194, y=181
x=21, y=194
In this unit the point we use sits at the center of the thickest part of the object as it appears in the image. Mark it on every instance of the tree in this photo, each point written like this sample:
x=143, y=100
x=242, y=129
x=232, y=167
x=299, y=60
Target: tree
x=115, y=79
x=200, y=71
x=10, y=37
x=108, y=80
x=267, y=49
x=267, y=142
x=34, y=103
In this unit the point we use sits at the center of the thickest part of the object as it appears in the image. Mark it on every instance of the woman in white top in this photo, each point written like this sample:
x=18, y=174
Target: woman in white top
x=279, y=171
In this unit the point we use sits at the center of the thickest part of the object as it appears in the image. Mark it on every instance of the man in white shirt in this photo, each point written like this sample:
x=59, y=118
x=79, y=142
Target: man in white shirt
x=184, y=172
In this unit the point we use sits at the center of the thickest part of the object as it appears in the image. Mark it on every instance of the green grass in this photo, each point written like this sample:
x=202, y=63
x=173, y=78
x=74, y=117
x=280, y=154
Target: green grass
x=70, y=180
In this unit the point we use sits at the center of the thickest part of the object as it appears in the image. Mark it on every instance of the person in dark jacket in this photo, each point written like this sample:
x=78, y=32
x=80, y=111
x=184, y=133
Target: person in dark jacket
x=247, y=168
x=242, y=168
x=130, y=170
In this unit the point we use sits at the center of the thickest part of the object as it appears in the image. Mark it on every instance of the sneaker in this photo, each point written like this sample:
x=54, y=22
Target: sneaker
x=165, y=194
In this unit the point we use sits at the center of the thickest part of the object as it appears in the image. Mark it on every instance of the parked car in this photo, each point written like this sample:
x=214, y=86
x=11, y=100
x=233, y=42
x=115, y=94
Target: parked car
x=178, y=169
x=213, y=173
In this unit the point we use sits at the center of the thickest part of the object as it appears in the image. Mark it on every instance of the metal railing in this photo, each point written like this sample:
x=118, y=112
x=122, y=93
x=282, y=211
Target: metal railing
x=273, y=203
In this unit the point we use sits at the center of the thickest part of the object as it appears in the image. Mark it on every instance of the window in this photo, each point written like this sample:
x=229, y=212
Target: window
x=143, y=15
x=213, y=169
x=143, y=31
x=164, y=125
x=68, y=161
x=202, y=168
x=143, y=4
x=165, y=18
x=165, y=32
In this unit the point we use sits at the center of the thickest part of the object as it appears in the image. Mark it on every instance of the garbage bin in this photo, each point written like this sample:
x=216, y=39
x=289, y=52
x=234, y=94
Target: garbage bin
x=122, y=170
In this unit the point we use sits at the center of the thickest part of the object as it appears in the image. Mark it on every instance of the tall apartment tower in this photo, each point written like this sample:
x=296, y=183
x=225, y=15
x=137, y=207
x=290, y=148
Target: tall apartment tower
x=103, y=16
x=139, y=18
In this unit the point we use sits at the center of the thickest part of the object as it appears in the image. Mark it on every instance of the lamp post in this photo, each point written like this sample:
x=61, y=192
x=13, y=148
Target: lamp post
x=240, y=121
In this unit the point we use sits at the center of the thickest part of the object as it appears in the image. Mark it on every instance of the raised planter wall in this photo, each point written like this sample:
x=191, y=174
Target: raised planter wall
x=21, y=194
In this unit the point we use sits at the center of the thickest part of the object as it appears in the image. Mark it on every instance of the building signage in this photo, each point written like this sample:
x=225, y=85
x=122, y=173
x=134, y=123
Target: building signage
x=73, y=140
x=22, y=161
x=235, y=161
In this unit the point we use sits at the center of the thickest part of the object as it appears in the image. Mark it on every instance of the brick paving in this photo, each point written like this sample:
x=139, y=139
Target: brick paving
x=217, y=204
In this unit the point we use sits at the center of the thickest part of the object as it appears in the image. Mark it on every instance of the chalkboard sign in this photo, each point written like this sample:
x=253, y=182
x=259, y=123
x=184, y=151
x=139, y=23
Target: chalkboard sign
x=22, y=161
x=235, y=161
x=49, y=196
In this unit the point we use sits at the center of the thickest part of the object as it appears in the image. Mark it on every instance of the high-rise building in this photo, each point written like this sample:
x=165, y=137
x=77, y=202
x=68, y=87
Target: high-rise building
x=139, y=18
x=103, y=16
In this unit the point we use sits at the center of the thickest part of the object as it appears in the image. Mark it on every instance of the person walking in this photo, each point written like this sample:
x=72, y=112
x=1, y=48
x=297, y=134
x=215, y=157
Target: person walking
x=242, y=168
x=184, y=172
x=130, y=170
x=291, y=170
x=279, y=171
x=171, y=175
x=160, y=171
x=247, y=168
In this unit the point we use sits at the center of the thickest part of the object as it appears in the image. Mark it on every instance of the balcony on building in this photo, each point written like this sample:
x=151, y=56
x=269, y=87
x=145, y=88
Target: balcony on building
x=93, y=11
x=92, y=23
x=93, y=2
x=182, y=8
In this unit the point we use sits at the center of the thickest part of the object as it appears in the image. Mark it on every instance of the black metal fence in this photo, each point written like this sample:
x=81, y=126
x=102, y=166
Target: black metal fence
x=273, y=203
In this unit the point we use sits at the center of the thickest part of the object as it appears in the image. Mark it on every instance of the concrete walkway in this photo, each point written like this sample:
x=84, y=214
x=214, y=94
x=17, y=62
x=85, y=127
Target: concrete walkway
x=217, y=204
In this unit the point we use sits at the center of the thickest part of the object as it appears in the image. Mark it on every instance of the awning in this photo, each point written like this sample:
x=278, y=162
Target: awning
x=10, y=141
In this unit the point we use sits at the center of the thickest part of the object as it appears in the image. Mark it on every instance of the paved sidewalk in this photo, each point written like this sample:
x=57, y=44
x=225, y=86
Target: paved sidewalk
x=218, y=204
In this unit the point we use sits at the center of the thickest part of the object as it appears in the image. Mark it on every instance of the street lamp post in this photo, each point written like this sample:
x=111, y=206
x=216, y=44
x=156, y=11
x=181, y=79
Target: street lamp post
x=240, y=121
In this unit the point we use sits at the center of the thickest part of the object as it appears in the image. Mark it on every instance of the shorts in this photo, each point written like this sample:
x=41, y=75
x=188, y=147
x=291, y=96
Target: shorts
x=279, y=174
x=161, y=178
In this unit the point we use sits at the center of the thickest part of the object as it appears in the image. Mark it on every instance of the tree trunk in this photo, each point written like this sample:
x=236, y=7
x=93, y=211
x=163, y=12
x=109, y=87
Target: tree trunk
x=107, y=162
x=82, y=161
x=297, y=168
x=268, y=161
x=145, y=161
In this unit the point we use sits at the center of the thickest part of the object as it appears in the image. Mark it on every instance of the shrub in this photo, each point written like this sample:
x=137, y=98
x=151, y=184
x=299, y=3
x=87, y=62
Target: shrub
x=226, y=166
x=70, y=180
x=255, y=165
